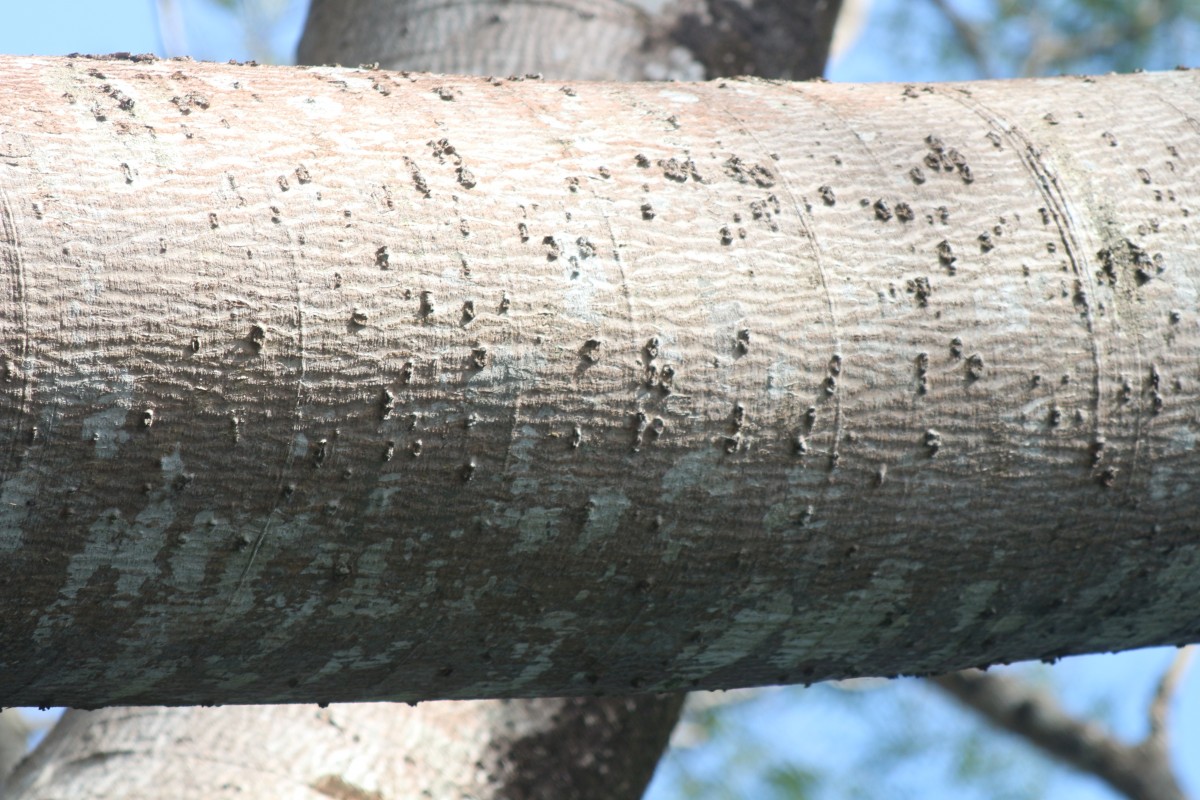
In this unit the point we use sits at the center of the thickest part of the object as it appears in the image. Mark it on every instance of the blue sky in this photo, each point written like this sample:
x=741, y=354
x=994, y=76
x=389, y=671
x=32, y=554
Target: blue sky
x=813, y=731
x=57, y=27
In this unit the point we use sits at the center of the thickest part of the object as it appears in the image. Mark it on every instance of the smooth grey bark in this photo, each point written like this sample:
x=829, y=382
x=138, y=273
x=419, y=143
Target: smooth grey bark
x=14, y=733
x=340, y=384
x=576, y=39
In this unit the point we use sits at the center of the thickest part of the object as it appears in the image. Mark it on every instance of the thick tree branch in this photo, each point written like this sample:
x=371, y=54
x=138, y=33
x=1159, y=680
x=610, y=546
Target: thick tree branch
x=377, y=386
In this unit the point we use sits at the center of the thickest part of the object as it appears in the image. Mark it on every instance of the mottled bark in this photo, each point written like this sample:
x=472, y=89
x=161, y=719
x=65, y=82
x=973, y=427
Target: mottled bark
x=576, y=39
x=504, y=749
x=337, y=384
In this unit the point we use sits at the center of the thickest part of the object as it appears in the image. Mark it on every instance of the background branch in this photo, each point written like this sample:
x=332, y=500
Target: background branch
x=1141, y=771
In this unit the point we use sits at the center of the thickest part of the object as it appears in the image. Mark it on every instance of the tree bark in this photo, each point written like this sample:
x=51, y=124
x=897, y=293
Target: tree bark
x=328, y=384
x=628, y=40
x=14, y=736
x=503, y=749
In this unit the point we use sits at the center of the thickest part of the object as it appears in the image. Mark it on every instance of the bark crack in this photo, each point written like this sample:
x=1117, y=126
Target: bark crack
x=16, y=264
x=289, y=459
x=809, y=236
x=1059, y=208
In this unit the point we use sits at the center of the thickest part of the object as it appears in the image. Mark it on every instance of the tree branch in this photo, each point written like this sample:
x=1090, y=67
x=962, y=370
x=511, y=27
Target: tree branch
x=968, y=36
x=412, y=406
x=1141, y=772
x=1159, y=705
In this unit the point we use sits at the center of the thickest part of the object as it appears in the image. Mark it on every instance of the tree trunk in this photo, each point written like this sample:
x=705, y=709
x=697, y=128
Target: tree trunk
x=503, y=749
x=339, y=385
x=577, y=39
x=14, y=737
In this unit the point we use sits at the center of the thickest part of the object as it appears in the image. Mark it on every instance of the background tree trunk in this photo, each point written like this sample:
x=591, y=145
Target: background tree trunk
x=577, y=39
x=465, y=388
x=14, y=735
x=488, y=749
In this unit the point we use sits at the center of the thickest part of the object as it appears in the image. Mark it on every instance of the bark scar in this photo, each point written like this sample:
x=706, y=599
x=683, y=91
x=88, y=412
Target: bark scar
x=14, y=262
x=1058, y=207
x=808, y=234
x=297, y=418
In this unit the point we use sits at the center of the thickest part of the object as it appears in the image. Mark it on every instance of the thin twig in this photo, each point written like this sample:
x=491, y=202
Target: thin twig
x=172, y=36
x=968, y=35
x=1165, y=690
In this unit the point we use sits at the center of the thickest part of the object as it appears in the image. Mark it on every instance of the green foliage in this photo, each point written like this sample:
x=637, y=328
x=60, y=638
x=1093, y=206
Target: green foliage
x=722, y=750
x=872, y=740
x=791, y=781
x=264, y=25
